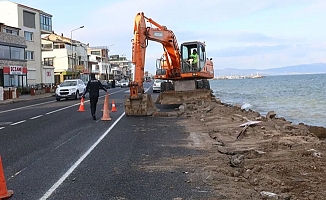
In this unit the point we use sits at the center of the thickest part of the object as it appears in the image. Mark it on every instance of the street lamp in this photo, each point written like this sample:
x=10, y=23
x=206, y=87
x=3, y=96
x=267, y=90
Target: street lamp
x=72, y=50
x=106, y=70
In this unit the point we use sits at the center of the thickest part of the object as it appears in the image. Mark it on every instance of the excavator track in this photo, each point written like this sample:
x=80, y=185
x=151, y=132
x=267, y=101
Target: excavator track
x=169, y=95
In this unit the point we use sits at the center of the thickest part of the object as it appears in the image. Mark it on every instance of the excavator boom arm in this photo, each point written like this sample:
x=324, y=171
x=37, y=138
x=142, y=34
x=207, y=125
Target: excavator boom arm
x=159, y=34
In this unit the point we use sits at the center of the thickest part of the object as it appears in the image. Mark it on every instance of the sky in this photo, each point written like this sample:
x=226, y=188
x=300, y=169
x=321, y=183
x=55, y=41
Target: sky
x=242, y=34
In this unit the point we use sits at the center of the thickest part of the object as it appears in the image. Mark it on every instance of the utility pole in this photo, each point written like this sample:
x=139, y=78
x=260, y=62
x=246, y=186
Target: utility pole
x=73, y=57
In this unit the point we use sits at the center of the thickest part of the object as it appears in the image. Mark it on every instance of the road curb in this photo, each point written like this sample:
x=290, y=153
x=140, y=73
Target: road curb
x=10, y=101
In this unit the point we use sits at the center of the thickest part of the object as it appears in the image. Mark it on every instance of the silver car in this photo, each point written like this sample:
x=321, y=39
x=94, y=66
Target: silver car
x=157, y=85
x=124, y=83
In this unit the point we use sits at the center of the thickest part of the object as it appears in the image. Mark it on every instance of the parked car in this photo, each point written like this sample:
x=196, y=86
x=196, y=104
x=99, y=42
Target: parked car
x=68, y=89
x=124, y=83
x=117, y=84
x=106, y=84
x=157, y=85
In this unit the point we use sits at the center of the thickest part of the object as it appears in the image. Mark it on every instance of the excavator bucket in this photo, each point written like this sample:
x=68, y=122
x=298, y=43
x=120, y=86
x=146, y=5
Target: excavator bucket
x=142, y=106
x=174, y=97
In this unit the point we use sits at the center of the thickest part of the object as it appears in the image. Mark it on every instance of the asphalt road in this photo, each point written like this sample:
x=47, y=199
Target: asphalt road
x=51, y=151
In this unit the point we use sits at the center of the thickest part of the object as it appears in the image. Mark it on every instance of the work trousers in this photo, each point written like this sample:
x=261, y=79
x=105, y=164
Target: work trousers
x=93, y=102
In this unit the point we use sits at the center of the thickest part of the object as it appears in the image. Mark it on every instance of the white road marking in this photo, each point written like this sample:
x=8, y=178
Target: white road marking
x=4, y=123
x=36, y=117
x=26, y=107
x=147, y=89
x=77, y=163
x=54, y=111
x=18, y=122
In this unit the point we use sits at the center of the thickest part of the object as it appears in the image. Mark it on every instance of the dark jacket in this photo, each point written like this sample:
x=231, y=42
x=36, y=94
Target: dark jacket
x=93, y=87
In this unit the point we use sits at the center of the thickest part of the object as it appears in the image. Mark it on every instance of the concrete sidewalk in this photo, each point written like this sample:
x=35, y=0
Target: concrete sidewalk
x=27, y=97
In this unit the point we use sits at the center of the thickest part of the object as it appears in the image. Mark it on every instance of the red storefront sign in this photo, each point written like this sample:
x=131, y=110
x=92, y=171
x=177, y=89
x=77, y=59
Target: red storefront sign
x=15, y=70
x=86, y=71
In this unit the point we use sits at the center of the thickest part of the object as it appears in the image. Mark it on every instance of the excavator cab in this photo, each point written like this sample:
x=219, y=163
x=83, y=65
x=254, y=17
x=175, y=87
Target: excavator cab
x=193, y=57
x=161, y=66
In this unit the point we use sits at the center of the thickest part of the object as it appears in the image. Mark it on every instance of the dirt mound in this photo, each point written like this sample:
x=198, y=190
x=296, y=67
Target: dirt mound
x=250, y=156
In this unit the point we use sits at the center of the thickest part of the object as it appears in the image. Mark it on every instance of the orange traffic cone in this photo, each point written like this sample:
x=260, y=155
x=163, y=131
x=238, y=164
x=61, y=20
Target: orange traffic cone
x=81, y=107
x=106, y=110
x=4, y=193
x=113, y=109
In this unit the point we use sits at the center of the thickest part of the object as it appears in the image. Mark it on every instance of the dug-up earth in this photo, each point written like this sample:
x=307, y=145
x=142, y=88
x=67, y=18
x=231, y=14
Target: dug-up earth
x=249, y=156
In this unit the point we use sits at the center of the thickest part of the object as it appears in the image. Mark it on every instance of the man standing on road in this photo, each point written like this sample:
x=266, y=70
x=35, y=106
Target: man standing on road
x=93, y=87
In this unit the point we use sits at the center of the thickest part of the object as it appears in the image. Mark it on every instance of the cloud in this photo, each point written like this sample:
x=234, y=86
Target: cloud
x=248, y=50
x=238, y=33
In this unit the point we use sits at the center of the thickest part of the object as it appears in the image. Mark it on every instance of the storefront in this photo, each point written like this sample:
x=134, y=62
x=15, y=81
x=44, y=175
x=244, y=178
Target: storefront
x=13, y=76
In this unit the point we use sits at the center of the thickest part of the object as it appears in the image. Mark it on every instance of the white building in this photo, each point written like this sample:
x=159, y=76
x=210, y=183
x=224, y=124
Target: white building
x=121, y=67
x=33, y=23
x=69, y=61
x=99, y=56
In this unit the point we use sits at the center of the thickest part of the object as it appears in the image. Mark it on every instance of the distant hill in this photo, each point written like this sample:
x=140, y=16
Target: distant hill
x=296, y=69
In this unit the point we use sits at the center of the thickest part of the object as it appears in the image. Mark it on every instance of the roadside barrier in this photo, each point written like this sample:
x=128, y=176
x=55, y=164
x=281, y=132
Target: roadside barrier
x=81, y=107
x=4, y=193
x=113, y=109
x=106, y=110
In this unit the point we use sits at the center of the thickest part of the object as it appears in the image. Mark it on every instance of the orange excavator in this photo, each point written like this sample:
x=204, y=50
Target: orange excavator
x=186, y=76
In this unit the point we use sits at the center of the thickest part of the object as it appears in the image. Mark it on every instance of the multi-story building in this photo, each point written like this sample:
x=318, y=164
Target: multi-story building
x=100, y=58
x=68, y=57
x=13, y=66
x=32, y=23
x=121, y=67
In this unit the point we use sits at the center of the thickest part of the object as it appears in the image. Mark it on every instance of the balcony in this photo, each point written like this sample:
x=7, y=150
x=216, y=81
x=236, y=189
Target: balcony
x=116, y=69
x=47, y=47
x=47, y=63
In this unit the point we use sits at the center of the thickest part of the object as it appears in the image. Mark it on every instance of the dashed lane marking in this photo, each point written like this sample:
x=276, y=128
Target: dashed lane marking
x=63, y=108
x=36, y=117
x=13, y=124
x=38, y=104
x=5, y=123
x=48, y=113
x=5, y=111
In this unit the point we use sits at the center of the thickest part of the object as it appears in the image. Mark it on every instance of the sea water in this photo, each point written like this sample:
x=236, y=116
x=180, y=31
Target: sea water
x=297, y=98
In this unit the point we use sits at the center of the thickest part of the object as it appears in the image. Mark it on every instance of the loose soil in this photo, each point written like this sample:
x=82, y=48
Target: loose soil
x=270, y=158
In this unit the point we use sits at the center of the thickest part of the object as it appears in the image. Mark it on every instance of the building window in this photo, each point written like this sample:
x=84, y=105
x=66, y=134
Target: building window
x=48, y=61
x=10, y=31
x=29, y=55
x=17, y=53
x=29, y=19
x=4, y=52
x=47, y=46
x=59, y=46
x=46, y=22
x=7, y=52
x=28, y=36
x=68, y=46
x=96, y=53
